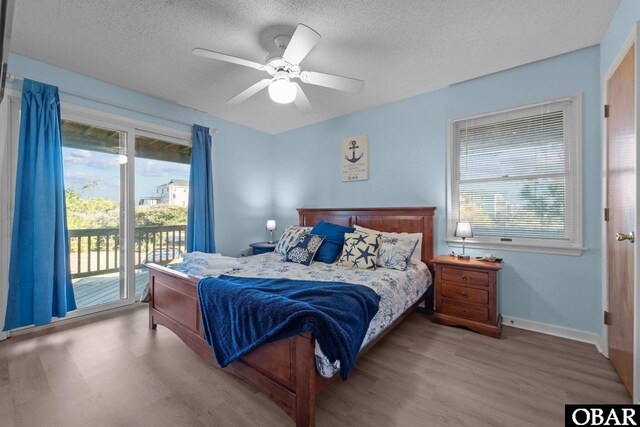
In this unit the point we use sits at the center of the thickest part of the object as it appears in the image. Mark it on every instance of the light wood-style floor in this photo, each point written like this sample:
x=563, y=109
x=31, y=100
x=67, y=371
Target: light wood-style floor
x=114, y=371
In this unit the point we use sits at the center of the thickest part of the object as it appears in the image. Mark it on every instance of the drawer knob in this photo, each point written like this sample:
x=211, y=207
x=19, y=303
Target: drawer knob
x=464, y=294
x=464, y=277
x=464, y=310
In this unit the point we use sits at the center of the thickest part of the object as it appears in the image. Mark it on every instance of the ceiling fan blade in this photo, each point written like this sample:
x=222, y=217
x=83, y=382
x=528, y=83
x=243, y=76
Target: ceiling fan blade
x=249, y=92
x=302, y=102
x=301, y=43
x=346, y=84
x=227, y=58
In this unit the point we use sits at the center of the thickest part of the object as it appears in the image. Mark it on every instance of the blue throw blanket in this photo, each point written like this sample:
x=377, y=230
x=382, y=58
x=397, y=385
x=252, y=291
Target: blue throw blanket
x=239, y=314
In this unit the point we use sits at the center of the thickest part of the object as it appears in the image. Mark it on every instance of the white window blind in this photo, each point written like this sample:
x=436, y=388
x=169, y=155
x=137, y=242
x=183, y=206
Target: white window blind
x=514, y=176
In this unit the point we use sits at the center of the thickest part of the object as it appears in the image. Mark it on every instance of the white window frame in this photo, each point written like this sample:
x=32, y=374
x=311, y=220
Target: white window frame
x=9, y=126
x=572, y=245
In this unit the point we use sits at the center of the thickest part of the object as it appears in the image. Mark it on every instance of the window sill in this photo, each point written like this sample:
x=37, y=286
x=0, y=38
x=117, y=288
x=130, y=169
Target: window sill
x=552, y=250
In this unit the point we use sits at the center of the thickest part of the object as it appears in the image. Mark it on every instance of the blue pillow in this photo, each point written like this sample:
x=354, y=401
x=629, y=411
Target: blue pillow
x=334, y=240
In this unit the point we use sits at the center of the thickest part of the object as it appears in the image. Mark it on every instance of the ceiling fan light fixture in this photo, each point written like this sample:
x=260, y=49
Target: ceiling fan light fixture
x=282, y=91
x=283, y=64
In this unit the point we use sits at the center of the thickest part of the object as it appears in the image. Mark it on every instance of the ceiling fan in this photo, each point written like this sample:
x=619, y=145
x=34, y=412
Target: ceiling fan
x=284, y=65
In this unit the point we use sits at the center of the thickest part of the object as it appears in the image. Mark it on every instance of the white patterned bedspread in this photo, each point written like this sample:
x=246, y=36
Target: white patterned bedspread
x=398, y=290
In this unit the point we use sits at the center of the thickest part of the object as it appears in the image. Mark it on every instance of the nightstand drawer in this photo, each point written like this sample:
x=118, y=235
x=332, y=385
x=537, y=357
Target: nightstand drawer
x=467, y=277
x=465, y=294
x=479, y=314
x=258, y=251
x=262, y=247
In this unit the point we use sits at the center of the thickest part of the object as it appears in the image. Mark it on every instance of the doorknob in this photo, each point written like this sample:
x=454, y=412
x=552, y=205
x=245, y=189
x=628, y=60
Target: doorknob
x=622, y=236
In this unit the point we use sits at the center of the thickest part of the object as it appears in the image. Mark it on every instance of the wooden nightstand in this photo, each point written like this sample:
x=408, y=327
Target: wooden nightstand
x=263, y=247
x=466, y=294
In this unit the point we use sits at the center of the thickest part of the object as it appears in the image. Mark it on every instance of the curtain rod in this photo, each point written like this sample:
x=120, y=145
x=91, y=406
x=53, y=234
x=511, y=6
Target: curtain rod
x=12, y=77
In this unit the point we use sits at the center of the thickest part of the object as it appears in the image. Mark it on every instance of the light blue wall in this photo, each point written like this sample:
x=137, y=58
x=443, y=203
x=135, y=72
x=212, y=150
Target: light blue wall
x=405, y=167
x=626, y=16
x=562, y=290
x=407, y=147
x=242, y=190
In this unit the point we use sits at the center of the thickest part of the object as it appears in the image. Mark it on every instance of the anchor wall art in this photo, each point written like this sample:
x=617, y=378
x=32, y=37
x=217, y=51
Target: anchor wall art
x=355, y=158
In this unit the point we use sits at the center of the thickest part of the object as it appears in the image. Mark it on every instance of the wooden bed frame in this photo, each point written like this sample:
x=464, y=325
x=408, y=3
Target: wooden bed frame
x=284, y=370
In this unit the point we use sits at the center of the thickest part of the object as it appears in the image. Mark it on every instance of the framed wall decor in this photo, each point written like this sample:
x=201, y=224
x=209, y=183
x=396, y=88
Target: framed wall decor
x=355, y=158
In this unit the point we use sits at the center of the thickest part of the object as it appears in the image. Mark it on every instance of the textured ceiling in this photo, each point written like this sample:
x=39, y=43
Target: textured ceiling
x=400, y=48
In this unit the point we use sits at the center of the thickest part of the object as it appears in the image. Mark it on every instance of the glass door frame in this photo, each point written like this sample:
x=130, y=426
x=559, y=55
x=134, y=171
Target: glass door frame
x=165, y=134
x=10, y=111
x=129, y=127
x=126, y=133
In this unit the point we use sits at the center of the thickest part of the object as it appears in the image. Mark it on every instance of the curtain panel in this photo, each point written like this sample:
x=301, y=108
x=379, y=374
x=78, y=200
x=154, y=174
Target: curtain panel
x=200, y=223
x=39, y=275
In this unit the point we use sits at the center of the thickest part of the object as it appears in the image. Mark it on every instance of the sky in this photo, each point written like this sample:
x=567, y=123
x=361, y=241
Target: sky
x=83, y=167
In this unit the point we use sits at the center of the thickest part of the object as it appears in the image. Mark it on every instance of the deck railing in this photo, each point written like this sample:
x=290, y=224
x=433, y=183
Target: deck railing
x=97, y=251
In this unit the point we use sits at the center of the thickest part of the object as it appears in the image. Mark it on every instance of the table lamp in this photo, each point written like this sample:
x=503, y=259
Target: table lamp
x=463, y=230
x=271, y=225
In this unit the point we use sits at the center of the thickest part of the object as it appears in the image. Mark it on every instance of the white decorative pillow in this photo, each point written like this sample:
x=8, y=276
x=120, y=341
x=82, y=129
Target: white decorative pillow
x=395, y=252
x=290, y=237
x=360, y=250
x=416, y=256
x=396, y=249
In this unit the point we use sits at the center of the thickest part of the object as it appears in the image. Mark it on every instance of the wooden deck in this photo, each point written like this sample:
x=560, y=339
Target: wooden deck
x=104, y=288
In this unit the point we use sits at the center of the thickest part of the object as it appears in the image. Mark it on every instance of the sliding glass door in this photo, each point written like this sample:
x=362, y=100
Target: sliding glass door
x=162, y=197
x=127, y=193
x=94, y=173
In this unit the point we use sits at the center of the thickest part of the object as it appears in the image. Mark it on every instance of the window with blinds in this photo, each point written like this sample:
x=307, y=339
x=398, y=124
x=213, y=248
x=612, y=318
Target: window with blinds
x=514, y=175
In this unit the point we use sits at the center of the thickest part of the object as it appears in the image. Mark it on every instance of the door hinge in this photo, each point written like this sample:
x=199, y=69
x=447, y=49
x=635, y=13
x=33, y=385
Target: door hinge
x=607, y=318
x=606, y=214
x=606, y=111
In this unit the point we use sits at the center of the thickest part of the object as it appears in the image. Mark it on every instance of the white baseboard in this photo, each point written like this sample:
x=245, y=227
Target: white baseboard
x=557, y=331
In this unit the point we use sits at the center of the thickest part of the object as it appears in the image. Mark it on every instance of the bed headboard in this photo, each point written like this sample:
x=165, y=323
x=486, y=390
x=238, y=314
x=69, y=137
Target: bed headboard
x=399, y=220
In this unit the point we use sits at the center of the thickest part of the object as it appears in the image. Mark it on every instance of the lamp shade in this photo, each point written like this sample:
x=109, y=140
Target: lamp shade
x=463, y=229
x=282, y=91
x=271, y=224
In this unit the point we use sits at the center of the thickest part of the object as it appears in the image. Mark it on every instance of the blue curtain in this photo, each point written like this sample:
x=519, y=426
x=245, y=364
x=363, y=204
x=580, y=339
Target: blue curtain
x=200, y=225
x=39, y=276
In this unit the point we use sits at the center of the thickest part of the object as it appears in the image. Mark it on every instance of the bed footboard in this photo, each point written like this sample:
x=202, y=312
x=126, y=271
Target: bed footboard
x=173, y=303
x=284, y=370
